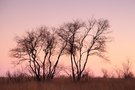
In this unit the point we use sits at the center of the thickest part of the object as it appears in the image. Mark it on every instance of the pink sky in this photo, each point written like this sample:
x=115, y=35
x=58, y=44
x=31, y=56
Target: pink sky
x=17, y=16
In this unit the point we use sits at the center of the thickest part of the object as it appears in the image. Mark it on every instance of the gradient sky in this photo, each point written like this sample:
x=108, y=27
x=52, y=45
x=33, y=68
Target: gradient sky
x=18, y=16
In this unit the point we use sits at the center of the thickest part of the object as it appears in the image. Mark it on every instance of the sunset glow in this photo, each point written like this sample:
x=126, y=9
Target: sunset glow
x=18, y=16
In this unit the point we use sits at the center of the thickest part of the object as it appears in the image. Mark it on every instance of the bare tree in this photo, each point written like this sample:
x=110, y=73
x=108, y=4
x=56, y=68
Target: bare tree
x=105, y=73
x=77, y=39
x=48, y=46
x=84, y=39
x=38, y=48
x=27, y=49
x=52, y=48
x=127, y=69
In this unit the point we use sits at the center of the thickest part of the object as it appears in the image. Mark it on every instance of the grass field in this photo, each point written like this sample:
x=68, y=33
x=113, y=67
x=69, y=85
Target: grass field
x=67, y=84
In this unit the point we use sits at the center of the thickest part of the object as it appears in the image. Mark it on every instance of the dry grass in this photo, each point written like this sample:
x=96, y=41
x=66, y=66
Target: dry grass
x=67, y=84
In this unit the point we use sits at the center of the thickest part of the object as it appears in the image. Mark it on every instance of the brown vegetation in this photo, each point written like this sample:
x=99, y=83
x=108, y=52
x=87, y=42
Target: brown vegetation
x=63, y=83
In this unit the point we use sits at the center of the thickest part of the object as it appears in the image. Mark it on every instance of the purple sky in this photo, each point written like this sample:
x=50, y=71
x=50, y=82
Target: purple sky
x=17, y=16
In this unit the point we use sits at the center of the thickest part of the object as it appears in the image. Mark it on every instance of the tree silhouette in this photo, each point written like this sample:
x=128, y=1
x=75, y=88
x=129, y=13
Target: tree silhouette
x=43, y=47
x=37, y=48
x=27, y=49
x=84, y=39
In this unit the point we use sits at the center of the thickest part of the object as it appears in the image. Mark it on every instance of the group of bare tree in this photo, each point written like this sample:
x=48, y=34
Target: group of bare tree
x=43, y=48
x=125, y=71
